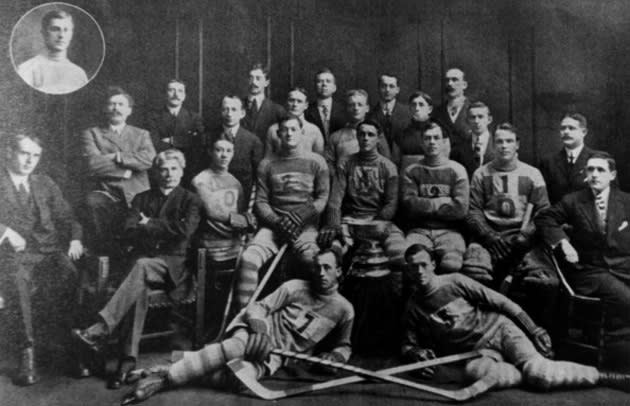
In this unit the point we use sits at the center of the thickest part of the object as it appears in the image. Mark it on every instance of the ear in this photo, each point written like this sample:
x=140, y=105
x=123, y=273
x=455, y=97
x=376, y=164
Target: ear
x=613, y=175
x=242, y=114
x=465, y=85
x=489, y=119
x=430, y=109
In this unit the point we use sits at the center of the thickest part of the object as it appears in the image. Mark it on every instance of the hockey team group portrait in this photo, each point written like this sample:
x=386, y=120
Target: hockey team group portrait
x=305, y=202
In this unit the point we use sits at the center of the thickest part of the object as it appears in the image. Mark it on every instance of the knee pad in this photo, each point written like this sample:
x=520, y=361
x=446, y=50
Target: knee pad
x=502, y=374
x=233, y=348
x=538, y=372
x=255, y=255
x=451, y=262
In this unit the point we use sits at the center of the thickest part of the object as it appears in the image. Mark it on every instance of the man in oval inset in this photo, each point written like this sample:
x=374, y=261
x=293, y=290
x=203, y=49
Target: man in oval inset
x=51, y=71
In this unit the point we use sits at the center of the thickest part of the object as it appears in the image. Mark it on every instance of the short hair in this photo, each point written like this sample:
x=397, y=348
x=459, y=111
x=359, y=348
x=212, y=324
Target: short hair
x=356, y=92
x=219, y=137
x=234, y=96
x=420, y=93
x=260, y=66
x=298, y=89
x=479, y=105
x=55, y=15
x=457, y=68
x=171, y=154
x=325, y=70
x=176, y=80
x=14, y=137
x=380, y=78
x=612, y=164
x=506, y=127
x=431, y=124
x=414, y=249
x=577, y=117
x=373, y=123
x=332, y=250
x=286, y=117
x=118, y=91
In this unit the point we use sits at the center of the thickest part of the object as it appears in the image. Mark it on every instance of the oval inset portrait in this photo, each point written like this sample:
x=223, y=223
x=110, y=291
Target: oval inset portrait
x=57, y=48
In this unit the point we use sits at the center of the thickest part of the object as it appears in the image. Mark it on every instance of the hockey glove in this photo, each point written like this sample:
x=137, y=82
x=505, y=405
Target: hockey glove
x=420, y=354
x=329, y=234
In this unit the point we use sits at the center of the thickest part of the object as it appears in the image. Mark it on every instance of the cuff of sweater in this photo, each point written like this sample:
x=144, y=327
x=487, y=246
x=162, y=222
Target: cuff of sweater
x=333, y=217
x=303, y=213
x=526, y=321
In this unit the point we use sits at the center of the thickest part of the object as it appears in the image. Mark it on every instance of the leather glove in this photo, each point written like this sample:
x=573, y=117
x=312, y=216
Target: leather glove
x=329, y=234
x=288, y=229
x=328, y=356
x=498, y=247
x=243, y=222
x=421, y=354
x=542, y=341
x=258, y=347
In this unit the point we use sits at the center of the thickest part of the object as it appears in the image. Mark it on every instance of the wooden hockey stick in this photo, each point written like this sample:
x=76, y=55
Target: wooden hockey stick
x=265, y=278
x=527, y=217
x=252, y=384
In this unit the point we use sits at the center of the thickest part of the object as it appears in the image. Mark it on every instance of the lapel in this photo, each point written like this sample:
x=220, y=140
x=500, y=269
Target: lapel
x=614, y=211
x=562, y=163
x=37, y=191
x=587, y=207
x=581, y=160
x=115, y=139
x=8, y=189
x=377, y=112
x=316, y=118
x=263, y=110
x=461, y=117
x=169, y=201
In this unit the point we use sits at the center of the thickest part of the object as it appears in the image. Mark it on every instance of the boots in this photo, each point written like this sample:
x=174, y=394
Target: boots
x=155, y=381
x=615, y=380
x=27, y=374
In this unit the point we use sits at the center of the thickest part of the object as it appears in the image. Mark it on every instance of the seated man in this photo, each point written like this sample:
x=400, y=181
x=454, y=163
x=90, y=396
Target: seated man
x=296, y=316
x=410, y=141
x=293, y=190
x=313, y=141
x=598, y=253
x=36, y=224
x=223, y=200
x=159, y=226
x=435, y=201
x=453, y=313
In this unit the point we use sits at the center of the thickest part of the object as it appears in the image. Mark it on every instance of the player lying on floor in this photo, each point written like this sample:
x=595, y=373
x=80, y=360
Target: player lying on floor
x=297, y=316
x=452, y=313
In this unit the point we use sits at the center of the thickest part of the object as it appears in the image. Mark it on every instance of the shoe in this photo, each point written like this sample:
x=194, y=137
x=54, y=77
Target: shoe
x=156, y=381
x=125, y=366
x=83, y=370
x=27, y=374
x=93, y=337
x=615, y=380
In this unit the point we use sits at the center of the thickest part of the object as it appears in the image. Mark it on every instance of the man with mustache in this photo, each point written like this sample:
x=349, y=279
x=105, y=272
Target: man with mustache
x=117, y=157
x=174, y=126
x=158, y=227
x=51, y=71
x=564, y=170
x=262, y=112
x=452, y=114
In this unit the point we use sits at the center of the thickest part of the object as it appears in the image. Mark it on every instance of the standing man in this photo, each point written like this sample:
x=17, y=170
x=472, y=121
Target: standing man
x=452, y=313
x=159, y=227
x=434, y=200
x=478, y=150
x=36, y=225
x=392, y=115
x=261, y=111
x=564, y=170
x=313, y=141
x=248, y=149
x=118, y=157
x=292, y=193
x=598, y=250
x=174, y=126
x=344, y=142
x=327, y=114
x=51, y=71
x=452, y=114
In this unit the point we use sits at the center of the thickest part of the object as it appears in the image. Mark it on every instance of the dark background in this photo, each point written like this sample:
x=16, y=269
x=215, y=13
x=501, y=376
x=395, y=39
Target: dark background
x=530, y=61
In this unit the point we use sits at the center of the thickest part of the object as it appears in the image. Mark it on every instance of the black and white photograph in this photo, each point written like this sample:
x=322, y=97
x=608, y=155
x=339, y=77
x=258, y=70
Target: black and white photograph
x=359, y=202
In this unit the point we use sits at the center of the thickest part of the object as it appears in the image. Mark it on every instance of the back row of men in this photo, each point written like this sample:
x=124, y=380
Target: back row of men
x=307, y=199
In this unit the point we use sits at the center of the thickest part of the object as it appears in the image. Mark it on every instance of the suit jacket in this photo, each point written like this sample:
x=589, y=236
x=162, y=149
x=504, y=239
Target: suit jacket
x=458, y=130
x=609, y=248
x=463, y=153
x=559, y=178
x=400, y=120
x=173, y=219
x=185, y=130
x=55, y=223
x=137, y=153
x=337, y=118
x=268, y=113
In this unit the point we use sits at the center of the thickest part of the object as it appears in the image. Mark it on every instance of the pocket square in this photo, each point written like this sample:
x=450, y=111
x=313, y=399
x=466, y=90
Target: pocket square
x=623, y=226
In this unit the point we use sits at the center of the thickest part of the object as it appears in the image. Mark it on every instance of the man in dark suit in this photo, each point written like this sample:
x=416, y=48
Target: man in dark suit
x=564, y=170
x=36, y=224
x=327, y=114
x=248, y=149
x=174, y=126
x=477, y=148
x=598, y=251
x=159, y=227
x=452, y=114
x=392, y=115
x=118, y=157
x=261, y=111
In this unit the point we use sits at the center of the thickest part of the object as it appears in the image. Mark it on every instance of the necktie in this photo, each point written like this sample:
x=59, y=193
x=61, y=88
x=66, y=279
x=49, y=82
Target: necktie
x=600, y=204
x=453, y=113
x=571, y=160
x=229, y=135
x=478, y=154
x=253, y=106
x=22, y=195
x=325, y=119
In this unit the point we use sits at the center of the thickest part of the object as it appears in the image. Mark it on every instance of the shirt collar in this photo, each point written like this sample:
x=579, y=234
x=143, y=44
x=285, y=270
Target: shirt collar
x=389, y=106
x=174, y=110
x=324, y=102
x=166, y=192
x=117, y=128
x=574, y=152
x=259, y=99
x=19, y=180
x=604, y=194
x=232, y=130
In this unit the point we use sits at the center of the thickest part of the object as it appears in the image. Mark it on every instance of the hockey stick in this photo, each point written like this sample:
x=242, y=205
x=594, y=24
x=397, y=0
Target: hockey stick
x=460, y=395
x=507, y=282
x=265, y=278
